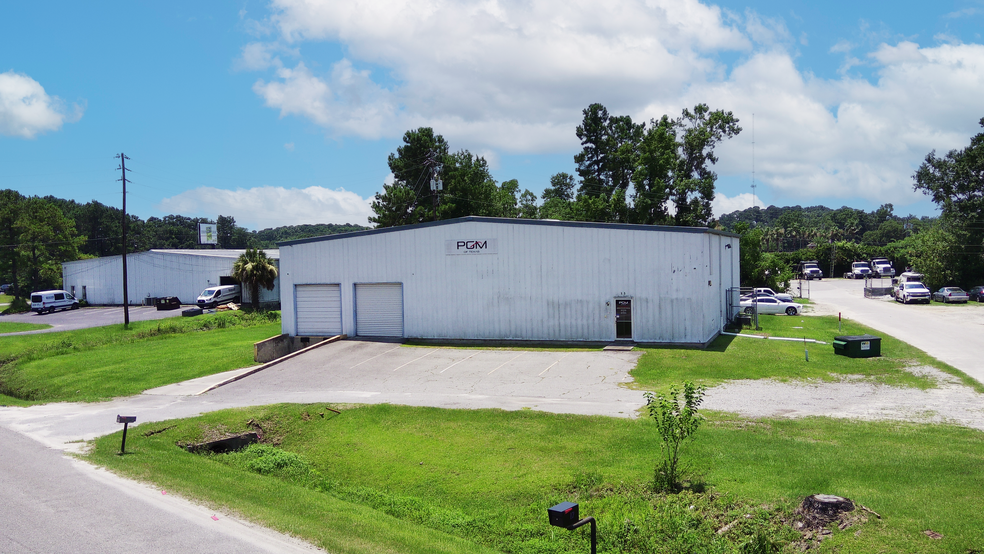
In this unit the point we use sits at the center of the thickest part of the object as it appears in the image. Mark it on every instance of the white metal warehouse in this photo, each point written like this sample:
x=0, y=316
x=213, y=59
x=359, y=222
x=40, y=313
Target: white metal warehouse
x=478, y=278
x=157, y=273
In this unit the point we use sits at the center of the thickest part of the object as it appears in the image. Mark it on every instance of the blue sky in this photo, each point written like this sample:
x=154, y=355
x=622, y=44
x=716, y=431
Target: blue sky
x=284, y=112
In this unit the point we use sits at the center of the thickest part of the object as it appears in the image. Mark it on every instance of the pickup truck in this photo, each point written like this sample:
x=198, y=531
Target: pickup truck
x=912, y=292
x=765, y=291
x=859, y=270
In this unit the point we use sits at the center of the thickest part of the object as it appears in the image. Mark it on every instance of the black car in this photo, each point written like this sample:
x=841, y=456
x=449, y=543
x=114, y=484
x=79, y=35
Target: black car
x=976, y=294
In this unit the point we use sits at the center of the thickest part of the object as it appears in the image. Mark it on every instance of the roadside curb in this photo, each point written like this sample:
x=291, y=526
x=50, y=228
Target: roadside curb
x=272, y=363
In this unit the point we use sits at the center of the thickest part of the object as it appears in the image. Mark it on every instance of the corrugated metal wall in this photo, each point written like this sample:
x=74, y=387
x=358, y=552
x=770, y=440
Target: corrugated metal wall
x=153, y=274
x=544, y=281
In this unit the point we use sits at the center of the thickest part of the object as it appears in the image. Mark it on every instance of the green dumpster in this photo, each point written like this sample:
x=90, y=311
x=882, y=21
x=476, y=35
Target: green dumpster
x=858, y=346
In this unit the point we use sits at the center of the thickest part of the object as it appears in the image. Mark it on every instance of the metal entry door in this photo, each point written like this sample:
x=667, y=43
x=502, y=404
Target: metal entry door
x=623, y=318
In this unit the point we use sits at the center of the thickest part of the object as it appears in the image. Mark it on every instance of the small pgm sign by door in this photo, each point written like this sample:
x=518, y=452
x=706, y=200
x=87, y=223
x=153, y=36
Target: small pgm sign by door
x=623, y=310
x=866, y=345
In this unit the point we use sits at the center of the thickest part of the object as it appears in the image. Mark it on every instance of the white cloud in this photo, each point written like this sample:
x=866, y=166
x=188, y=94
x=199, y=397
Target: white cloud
x=512, y=76
x=722, y=205
x=26, y=110
x=849, y=138
x=348, y=102
x=262, y=207
x=289, y=146
x=499, y=76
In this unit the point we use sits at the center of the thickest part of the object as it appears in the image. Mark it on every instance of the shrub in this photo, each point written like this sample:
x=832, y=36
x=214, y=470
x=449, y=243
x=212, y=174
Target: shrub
x=676, y=419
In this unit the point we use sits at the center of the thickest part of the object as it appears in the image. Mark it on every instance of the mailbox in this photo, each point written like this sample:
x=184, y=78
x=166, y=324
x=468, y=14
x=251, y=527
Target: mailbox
x=858, y=346
x=125, y=419
x=563, y=514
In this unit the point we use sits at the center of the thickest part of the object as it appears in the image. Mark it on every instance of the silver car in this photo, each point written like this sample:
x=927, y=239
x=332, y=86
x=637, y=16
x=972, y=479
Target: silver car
x=951, y=294
x=769, y=305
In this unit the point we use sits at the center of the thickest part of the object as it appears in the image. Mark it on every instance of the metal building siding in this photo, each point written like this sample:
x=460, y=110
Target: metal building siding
x=152, y=273
x=547, y=282
x=318, y=310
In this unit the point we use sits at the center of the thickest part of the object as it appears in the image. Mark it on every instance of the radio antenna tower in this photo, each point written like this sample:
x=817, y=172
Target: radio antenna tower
x=753, y=160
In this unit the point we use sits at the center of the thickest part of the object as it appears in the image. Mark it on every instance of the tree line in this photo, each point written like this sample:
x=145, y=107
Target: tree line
x=37, y=234
x=948, y=250
x=650, y=173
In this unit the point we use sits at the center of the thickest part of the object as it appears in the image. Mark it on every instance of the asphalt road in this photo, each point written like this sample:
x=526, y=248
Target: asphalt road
x=951, y=333
x=52, y=503
x=83, y=318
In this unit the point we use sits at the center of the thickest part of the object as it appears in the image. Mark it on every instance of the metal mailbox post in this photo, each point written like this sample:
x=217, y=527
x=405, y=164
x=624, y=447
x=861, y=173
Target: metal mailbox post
x=565, y=515
x=125, y=420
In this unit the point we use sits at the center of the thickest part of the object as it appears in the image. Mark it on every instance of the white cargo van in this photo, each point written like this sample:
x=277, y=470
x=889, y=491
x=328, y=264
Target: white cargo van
x=51, y=300
x=213, y=296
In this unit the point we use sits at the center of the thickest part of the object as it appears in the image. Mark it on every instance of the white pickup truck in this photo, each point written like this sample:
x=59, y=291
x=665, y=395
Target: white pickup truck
x=765, y=291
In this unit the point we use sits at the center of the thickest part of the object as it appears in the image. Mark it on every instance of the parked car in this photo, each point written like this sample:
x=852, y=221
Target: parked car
x=809, y=269
x=768, y=305
x=5, y=288
x=950, y=294
x=769, y=292
x=976, y=294
x=223, y=294
x=912, y=291
x=51, y=300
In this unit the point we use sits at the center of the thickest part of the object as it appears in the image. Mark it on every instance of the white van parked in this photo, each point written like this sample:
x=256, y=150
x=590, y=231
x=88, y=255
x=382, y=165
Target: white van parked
x=51, y=300
x=213, y=296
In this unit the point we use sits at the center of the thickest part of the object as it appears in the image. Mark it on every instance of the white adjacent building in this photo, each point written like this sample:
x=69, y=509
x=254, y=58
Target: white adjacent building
x=478, y=278
x=157, y=273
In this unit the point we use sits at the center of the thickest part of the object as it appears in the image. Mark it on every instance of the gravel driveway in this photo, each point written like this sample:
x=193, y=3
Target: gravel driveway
x=948, y=333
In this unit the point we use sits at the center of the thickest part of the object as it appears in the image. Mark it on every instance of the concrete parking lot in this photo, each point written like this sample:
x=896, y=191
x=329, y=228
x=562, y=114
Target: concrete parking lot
x=363, y=371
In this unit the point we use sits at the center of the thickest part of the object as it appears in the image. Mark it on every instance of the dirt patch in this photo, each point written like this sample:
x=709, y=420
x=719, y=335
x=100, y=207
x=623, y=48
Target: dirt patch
x=950, y=402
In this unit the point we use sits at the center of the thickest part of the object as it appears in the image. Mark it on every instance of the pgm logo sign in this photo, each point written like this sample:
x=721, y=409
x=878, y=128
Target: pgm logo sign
x=471, y=247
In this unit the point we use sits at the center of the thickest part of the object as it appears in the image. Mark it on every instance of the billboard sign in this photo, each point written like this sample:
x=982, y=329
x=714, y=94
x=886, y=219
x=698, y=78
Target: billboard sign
x=208, y=233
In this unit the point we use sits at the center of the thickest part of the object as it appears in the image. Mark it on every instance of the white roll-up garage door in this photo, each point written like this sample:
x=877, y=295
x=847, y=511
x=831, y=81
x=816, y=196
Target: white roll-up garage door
x=379, y=310
x=319, y=310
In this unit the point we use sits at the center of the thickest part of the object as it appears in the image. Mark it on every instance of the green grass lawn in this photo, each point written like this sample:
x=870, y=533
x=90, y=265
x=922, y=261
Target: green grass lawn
x=16, y=327
x=404, y=479
x=731, y=358
x=106, y=362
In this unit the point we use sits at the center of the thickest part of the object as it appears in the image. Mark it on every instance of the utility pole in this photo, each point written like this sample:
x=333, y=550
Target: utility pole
x=126, y=299
x=436, y=183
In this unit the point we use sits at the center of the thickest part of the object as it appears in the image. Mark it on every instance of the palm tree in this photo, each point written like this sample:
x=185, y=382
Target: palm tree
x=253, y=269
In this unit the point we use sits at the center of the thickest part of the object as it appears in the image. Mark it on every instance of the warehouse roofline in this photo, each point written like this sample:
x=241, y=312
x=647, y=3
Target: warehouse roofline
x=515, y=221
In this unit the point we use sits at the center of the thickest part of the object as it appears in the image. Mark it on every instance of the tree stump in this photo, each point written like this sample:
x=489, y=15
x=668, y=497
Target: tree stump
x=819, y=510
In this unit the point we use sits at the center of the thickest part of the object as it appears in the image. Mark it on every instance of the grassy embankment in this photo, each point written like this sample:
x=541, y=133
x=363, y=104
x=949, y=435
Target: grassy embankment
x=17, y=327
x=402, y=479
x=101, y=363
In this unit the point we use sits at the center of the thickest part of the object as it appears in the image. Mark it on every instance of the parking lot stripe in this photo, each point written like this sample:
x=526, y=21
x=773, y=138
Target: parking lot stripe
x=415, y=359
x=504, y=363
x=373, y=358
x=458, y=362
x=553, y=364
